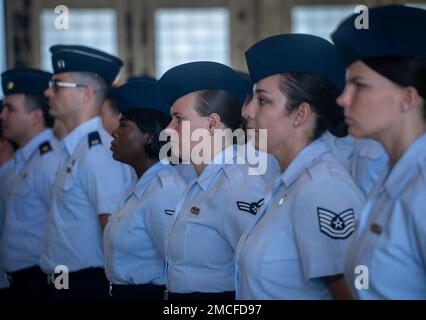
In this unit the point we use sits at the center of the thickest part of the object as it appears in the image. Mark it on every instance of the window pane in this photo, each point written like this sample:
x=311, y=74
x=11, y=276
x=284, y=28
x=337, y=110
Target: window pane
x=92, y=27
x=319, y=20
x=184, y=35
x=2, y=42
x=417, y=5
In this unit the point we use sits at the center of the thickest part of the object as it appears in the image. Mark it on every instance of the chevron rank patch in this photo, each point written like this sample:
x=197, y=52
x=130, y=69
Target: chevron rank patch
x=169, y=212
x=252, y=207
x=336, y=225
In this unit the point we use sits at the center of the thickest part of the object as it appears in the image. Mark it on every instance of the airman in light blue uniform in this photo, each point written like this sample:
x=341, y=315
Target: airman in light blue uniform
x=390, y=237
x=28, y=204
x=299, y=238
x=223, y=201
x=386, y=258
x=295, y=248
x=82, y=190
x=27, y=122
x=89, y=184
x=135, y=236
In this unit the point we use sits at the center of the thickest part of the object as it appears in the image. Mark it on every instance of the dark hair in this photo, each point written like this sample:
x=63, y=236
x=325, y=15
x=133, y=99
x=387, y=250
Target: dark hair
x=403, y=71
x=113, y=102
x=35, y=101
x=221, y=102
x=321, y=95
x=152, y=122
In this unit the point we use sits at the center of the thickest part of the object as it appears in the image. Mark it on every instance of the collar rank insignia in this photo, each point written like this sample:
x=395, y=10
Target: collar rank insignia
x=252, y=208
x=336, y=225
x=195, y=210
x=169, y=212
x=45, y=147
x=94, y=139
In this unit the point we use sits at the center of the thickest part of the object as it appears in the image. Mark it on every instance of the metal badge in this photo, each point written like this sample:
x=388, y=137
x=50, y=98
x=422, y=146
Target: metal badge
x=195, y=210
x=282, y=200
x=60, y=64
x=376, y=228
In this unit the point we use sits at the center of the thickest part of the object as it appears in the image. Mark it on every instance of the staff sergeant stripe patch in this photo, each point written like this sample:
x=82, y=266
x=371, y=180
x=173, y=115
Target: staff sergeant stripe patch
x=336, y=225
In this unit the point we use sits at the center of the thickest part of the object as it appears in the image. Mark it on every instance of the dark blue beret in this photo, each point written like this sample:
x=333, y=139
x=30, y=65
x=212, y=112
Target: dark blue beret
x=201, y=75
x=70, y=58
x=140, y=94
x=394, y=30
x=29, y=81
x=143, y=76
x=292, y=53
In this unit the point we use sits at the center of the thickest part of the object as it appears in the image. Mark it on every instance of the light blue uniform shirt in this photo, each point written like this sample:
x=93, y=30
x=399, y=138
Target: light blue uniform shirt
x=368, y=162
x=28, y=203
x=341, y=148
x=6, y=182
x=390, y=239
x=365, y=159
x=134, y=239
x=186, y=171
x=302, y=234
x=210, y=217
x=89, y=182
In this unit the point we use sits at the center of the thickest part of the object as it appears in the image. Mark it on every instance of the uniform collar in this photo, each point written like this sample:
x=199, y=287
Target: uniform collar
x=218, y=163
x=399, y=175
x=147, y=177
x=303, y=160
x=7, y=165
x=373, y=150
x=73, y=139
x=28, y=150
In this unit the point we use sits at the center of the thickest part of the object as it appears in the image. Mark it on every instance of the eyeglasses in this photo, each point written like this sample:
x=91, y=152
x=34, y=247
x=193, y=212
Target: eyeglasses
x=54, y=84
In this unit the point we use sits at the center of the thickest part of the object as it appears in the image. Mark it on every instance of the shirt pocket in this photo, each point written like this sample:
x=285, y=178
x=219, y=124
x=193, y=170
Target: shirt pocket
x=22, y=188
x=22, y=210
x=283, y=246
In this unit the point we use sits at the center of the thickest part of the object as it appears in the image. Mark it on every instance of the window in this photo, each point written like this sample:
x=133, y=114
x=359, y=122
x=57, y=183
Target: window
x=417, y=5
x=319, y=20
x=191, y=34
x=92, y=27
x=2, y=42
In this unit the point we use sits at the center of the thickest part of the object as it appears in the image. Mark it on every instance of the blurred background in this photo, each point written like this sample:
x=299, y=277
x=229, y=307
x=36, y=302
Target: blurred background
x=151, y=36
